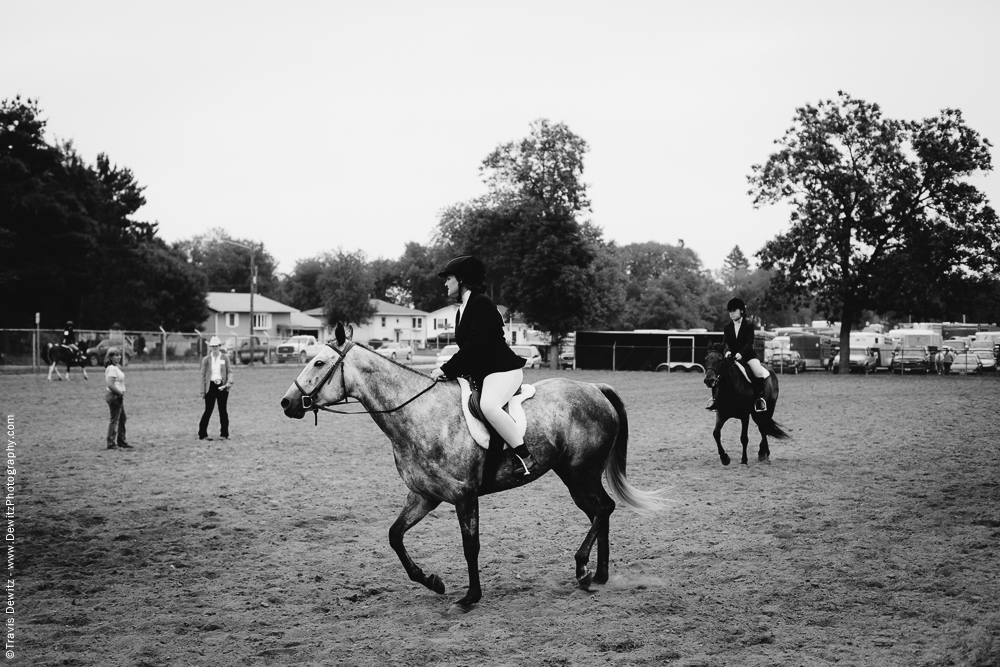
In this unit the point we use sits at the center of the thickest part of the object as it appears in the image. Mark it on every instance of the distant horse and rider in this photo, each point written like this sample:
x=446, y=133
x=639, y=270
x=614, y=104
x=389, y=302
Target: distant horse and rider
x=577, y=429
x=734, y=399
x=66, y=352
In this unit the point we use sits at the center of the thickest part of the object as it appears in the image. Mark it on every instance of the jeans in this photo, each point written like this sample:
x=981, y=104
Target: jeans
x=215, y=394
x=116, y=424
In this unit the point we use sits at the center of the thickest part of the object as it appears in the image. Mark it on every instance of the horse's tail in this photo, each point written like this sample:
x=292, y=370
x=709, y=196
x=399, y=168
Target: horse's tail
x=771, y=428
x=45, y=353
x=643, y=502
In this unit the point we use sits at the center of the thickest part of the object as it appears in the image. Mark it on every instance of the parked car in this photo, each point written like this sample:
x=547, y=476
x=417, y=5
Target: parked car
x=444, y=354
x=862, y=360
x=966, y=363
x=787, y=360
x=396, y=351
x=261, y=351
x=567, y=359
x=530, y=353
x=910, y=359
x=984, y=350
x=96, y=354
x=297, y=348
x=376, y=343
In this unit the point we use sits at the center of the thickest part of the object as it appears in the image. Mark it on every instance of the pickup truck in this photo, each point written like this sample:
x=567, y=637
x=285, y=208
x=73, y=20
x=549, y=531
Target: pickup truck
x=298, y=348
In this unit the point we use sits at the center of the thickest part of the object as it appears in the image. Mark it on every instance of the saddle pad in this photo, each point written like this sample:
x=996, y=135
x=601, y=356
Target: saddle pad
x=743, y=369
x=478, y=429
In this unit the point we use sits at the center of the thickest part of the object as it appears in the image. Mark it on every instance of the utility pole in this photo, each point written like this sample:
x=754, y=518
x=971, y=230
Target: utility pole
x=253, y=286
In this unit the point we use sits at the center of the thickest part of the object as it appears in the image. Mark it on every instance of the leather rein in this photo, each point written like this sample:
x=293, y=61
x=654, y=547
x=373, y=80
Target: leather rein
x=308, y=398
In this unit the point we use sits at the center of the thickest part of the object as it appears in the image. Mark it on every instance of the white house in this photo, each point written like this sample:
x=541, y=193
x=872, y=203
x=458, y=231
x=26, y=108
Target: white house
x=390, y=322
x=230, y=315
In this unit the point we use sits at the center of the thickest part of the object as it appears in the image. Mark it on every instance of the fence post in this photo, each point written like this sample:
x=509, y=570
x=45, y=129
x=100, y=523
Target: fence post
x=613, y=352
x=163, y=347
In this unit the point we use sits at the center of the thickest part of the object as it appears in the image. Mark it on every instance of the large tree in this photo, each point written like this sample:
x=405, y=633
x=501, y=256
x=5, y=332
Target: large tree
x=74, y=249
x=225, y=261
x=667, y=287
x=346, y=285
x=540, y=257
x=867, y=193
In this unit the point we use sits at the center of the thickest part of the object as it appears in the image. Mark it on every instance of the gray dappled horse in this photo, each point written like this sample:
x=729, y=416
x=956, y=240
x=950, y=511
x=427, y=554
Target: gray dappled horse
x=577, y=429
x=734, y=399
x=59, y=354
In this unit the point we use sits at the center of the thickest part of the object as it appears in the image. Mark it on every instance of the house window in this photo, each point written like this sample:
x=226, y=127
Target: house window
x=383, y=321
x=262, y=321
x=232, y=320
x=417, y=322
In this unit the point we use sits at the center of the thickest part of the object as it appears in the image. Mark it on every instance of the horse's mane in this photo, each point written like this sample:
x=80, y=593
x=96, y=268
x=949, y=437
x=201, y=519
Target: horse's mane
x=391, y=361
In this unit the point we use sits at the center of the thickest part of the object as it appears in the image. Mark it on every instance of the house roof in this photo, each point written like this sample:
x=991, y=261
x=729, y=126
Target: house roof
x=301, y=320
x=239, y=302
x=381, y=308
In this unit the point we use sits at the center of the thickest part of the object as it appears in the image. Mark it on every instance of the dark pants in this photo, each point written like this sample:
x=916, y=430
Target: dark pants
x=116, y=425
x=222, y=396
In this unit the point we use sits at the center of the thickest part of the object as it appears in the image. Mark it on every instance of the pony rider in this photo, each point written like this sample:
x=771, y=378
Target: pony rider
x=738, y=341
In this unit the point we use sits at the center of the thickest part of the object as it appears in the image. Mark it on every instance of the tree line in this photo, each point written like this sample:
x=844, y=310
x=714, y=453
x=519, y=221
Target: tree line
x=885, y=225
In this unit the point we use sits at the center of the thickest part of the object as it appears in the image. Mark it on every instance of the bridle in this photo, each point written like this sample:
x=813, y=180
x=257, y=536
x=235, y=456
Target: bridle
x=727, y=363
x=308, y=398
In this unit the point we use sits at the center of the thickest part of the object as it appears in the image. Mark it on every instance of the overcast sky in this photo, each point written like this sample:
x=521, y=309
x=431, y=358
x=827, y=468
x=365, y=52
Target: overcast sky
x=310, y=126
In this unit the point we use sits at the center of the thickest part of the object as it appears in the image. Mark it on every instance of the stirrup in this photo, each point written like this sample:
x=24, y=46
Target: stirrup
x=523, y=467
x=758, y=403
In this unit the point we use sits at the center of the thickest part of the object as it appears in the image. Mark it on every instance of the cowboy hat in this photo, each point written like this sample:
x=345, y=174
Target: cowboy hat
x=214, y=342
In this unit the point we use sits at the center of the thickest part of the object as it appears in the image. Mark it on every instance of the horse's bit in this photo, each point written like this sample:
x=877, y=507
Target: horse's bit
x=307, y=397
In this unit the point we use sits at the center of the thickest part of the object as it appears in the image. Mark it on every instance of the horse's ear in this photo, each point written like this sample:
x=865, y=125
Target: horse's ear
x=349, y=331
x=339, y=334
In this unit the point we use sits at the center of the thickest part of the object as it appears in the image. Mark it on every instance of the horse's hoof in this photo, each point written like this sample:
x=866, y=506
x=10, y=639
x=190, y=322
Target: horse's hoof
x=435, y=584
x=584, y=582
x=744, y=462
x=725, y=460
x=601, y=578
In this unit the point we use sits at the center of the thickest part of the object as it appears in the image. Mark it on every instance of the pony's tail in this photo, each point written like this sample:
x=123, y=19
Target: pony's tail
x=45, y=353
x=645, y=503
x=772, y=429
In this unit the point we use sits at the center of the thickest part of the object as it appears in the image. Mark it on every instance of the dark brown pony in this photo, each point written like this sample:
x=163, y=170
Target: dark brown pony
x=579, y=430
x=734, y=399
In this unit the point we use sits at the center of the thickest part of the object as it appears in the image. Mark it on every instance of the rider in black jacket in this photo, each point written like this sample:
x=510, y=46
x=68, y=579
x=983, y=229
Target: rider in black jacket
x=483, y=353
x=69, y=337
x=738, y=339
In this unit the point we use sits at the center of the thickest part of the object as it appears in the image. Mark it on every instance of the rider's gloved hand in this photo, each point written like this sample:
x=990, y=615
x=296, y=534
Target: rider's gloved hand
x=438, y=375
x=739, y=356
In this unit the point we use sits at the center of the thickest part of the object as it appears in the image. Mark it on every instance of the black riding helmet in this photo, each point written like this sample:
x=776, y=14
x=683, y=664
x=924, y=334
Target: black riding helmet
x=736, y=303
x=467, y=269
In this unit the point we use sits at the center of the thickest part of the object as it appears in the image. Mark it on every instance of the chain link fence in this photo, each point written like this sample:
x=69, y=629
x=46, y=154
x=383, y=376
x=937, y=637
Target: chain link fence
x=21, y=350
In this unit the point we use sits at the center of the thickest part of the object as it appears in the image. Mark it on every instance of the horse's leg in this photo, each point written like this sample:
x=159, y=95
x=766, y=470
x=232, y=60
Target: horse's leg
x=468, y=518
x=717, y=433
x=416, y=508
x=764, y=452
x=52, y=368
x=84, y=369
x=744, y=436
x=590, y=496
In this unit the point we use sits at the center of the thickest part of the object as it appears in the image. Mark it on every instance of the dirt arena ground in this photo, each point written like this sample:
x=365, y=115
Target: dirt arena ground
x=872, y=538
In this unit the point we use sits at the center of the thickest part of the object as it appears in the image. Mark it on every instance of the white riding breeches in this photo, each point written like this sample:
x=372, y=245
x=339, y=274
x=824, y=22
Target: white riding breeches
x=757, y=369
x=498, y=388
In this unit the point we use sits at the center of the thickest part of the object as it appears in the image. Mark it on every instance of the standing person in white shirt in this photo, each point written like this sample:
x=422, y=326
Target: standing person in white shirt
x=114, y=377
x=216, y=379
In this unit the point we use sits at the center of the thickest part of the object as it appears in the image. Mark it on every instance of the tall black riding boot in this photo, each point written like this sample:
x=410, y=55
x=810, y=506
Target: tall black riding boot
x=759, y=404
